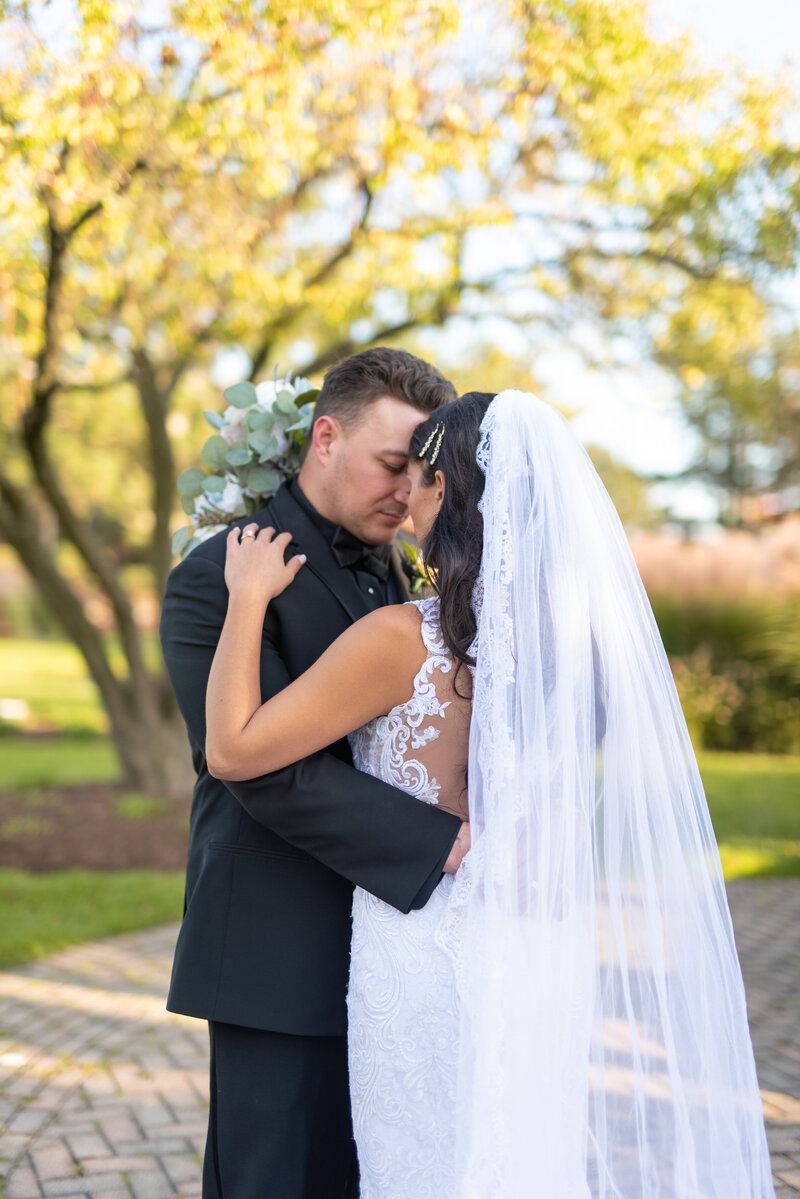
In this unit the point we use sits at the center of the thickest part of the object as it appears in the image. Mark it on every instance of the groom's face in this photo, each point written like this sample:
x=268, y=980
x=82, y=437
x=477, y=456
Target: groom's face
x=366, y=476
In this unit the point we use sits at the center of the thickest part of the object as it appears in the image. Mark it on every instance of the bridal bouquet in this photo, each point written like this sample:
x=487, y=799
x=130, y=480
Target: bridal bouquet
x=257, y=443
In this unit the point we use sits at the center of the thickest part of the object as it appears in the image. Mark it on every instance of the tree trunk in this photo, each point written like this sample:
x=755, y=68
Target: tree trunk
x=154, y=751
x=145, y=725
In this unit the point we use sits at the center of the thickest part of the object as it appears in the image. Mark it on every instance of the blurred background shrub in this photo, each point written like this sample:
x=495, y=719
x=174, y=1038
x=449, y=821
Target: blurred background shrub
x=737, y=669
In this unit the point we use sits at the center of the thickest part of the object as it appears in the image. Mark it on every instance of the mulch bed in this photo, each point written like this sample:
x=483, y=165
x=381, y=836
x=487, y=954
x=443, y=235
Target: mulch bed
x=56, y=828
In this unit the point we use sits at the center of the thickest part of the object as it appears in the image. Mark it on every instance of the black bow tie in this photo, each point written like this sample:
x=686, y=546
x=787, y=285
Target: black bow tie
x=349, y=550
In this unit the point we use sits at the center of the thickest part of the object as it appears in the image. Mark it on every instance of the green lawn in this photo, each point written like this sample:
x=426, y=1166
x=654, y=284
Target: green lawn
x=45, y=912
x=754, y=802
x=50, y=679
x=45, y=761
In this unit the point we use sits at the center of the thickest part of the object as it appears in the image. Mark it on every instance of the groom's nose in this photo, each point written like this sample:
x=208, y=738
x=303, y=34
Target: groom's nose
x=402, y=490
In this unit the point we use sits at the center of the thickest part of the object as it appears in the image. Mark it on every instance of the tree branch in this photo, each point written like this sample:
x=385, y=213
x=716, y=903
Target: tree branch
x=341, y=349
x=21, y=531
x=34, y=423
x=93, y=388
x=323, y=271
x=154, y=408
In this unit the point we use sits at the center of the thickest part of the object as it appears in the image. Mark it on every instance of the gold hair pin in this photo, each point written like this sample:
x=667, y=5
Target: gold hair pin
x=438, y=446
x=436, y=435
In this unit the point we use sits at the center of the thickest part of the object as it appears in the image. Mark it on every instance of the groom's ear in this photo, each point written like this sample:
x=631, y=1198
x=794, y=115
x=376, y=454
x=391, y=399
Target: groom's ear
x=324, y=435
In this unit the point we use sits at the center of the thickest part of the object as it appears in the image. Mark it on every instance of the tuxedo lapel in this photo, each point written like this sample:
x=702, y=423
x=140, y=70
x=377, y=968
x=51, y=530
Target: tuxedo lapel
x=288, y=517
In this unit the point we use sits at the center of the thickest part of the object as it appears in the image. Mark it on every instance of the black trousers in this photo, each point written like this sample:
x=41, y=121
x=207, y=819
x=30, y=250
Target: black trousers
x=279, y=1123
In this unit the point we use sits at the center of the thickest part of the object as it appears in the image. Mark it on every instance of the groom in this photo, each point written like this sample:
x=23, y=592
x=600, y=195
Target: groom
x=263, y=951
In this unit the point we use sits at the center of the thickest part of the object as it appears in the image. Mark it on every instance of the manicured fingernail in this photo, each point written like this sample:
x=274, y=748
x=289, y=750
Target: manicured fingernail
x=302, y=558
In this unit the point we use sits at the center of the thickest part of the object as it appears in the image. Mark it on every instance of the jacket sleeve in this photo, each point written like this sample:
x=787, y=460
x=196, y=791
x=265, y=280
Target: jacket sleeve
x=373, y=834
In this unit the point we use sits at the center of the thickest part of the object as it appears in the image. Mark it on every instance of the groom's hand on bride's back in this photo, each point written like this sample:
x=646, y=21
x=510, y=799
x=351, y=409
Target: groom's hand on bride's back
x=459, y=851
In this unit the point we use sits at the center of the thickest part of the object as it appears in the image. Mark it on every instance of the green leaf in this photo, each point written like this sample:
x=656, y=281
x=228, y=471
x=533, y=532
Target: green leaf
x=214, y=418
x=241, y=395
x=187, y=503
x=263, y=480
x=264, y=444
x=284, y=402
x=256, y=419
x=307, y=397
x=215, y=483
x=413, y=551
x=215, y=452
x=239, y=455
x=191, y=481
x=180, y=537
x=282, y=420
x=301, y=424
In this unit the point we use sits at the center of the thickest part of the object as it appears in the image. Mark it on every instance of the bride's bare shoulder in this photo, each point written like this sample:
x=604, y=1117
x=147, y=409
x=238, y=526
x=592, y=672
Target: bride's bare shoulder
x=396, y=624
x=391, y=634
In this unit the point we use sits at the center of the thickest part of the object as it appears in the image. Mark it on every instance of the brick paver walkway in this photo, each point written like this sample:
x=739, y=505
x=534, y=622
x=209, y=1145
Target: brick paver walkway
x=103, y=1093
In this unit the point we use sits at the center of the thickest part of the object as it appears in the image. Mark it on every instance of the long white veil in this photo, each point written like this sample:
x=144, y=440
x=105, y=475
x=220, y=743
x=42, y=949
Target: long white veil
x=605, y=1051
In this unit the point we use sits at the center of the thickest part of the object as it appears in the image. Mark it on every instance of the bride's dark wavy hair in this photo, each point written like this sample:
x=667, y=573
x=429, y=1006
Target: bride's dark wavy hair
x=454, y=545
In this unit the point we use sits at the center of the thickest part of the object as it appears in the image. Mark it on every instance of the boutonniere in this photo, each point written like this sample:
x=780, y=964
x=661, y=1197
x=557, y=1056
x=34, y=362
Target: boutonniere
x=414, y=568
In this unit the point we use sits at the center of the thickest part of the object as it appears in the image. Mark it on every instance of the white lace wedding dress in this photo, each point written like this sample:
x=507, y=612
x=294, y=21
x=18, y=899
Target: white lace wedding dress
x=402, y=1014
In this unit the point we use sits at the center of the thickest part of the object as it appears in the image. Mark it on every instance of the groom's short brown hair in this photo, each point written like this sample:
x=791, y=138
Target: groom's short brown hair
x=356, y=382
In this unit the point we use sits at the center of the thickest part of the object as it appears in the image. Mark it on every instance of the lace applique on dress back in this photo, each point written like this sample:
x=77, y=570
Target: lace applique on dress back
x=421, y=745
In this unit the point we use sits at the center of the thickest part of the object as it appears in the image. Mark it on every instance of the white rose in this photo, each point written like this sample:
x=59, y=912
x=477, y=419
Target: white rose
x=204, y=505
x=206, y=532
x=266, y=393
x=231, y=500
x=234, y=429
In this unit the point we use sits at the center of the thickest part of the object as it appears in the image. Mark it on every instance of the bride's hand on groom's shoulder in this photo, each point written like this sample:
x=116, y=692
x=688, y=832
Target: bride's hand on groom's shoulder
x=254, y=563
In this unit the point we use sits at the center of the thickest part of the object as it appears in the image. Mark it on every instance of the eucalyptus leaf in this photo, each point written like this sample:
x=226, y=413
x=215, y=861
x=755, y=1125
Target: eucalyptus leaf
x=187, y=503
x=263, y=480
x=264, y=444
x=215, y=452
x=257, y=419
x=191, y=481
x=282, y=420
x=214, y=418
x=284, y=402
x=301, y=424
x=241, y=395
x=239, y=455
x=180, y=537
x=215, y=483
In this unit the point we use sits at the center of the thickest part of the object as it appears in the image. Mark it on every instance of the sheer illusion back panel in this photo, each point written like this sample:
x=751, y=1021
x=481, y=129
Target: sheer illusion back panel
x=441, y=743
x=422, y=745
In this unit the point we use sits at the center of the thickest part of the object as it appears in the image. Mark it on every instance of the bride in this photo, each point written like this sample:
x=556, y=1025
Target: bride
x=565, y=1019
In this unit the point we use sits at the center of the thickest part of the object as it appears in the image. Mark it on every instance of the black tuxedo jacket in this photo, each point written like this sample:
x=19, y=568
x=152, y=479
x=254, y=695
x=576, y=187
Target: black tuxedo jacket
x=265, y=940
